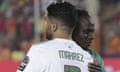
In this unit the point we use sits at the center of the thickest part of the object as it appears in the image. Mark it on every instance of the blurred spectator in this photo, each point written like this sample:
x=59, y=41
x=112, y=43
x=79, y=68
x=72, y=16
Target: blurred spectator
x=5, y=53
x=17, y=56
x=4, y=49
x=24, y=46
x=114, y=44
x=4, y=5
x=16, y=28
x=11, y=25
x=21, y=3
x=2, y=23
x=28, y=9
x=110, y=30
x=15, y=44
x=117, y=17
x=1, y=2
x=26, y=29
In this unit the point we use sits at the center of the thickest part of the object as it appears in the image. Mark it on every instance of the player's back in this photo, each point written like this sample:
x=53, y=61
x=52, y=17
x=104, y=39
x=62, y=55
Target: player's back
x=58, y=55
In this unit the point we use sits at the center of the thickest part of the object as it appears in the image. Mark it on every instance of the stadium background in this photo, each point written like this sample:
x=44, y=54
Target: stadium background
x=22, y=24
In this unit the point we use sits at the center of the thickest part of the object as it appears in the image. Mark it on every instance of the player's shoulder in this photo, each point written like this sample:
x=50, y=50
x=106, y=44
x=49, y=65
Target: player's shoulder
x=42, y=45
x=93, y=52
x=86, y=54
x=39, y=48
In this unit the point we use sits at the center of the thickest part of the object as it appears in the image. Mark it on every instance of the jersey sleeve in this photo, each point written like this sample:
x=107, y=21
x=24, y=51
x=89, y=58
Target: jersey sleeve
x=33, y=61
x=99, y=59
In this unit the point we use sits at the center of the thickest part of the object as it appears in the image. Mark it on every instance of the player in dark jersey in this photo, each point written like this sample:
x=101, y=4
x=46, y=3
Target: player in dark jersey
x=83, y=35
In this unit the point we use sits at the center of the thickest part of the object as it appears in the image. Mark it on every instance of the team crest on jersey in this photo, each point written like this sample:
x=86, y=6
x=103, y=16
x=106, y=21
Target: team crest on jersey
x=24, y=63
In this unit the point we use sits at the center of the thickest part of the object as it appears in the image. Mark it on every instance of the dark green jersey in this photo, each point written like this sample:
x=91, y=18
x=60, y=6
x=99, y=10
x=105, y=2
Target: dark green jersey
x=98, y=58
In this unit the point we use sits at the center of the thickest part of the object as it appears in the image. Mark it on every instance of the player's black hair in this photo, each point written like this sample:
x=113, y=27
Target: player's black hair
x=64, y=12
x=81, y=14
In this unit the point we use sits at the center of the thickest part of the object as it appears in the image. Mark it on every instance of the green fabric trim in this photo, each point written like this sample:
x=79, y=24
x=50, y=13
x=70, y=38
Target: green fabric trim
x=98, y=58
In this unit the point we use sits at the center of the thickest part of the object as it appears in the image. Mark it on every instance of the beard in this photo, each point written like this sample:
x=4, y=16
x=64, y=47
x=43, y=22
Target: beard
x=49, y=34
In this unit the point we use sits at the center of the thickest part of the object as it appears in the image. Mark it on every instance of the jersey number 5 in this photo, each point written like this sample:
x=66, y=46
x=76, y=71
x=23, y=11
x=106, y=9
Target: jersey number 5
x=69, y=68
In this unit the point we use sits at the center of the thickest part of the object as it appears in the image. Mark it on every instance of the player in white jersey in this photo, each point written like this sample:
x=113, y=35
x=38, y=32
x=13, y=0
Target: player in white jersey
x=61, y=54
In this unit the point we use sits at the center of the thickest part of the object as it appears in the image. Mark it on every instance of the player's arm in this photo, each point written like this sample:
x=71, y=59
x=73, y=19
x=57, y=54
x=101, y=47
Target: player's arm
x=25, y=63
x=94, y=66
x=101, y=63
x=30, y=62
x=98, y=65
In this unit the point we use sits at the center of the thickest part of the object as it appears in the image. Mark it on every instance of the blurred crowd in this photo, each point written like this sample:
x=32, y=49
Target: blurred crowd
x=110, y=27
x=17, y=28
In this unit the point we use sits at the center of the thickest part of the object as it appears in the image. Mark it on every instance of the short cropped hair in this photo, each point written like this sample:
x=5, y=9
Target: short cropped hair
x=64, y=12
x=81, y=15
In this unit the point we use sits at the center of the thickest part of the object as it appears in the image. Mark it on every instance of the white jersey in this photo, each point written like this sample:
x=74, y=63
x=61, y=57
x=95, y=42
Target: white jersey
x=58, y=55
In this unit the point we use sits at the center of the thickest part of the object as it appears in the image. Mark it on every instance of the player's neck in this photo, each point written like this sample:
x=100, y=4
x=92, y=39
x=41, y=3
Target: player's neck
x=62, y=35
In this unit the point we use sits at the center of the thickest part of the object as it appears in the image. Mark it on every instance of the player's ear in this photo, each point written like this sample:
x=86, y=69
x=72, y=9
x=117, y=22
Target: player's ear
x=54, y=26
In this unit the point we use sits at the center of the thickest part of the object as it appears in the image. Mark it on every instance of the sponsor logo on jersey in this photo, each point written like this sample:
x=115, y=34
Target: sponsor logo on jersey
x=24, y=63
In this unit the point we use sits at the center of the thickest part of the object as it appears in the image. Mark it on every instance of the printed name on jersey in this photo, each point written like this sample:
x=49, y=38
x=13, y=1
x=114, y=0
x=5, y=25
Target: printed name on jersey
x=24, y=63
x=71, y=55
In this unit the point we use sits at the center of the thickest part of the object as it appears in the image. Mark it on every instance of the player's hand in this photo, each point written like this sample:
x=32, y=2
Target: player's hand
x=94, y=67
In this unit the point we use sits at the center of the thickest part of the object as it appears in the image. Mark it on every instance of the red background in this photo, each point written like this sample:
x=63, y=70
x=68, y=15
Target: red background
x=10, y=66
